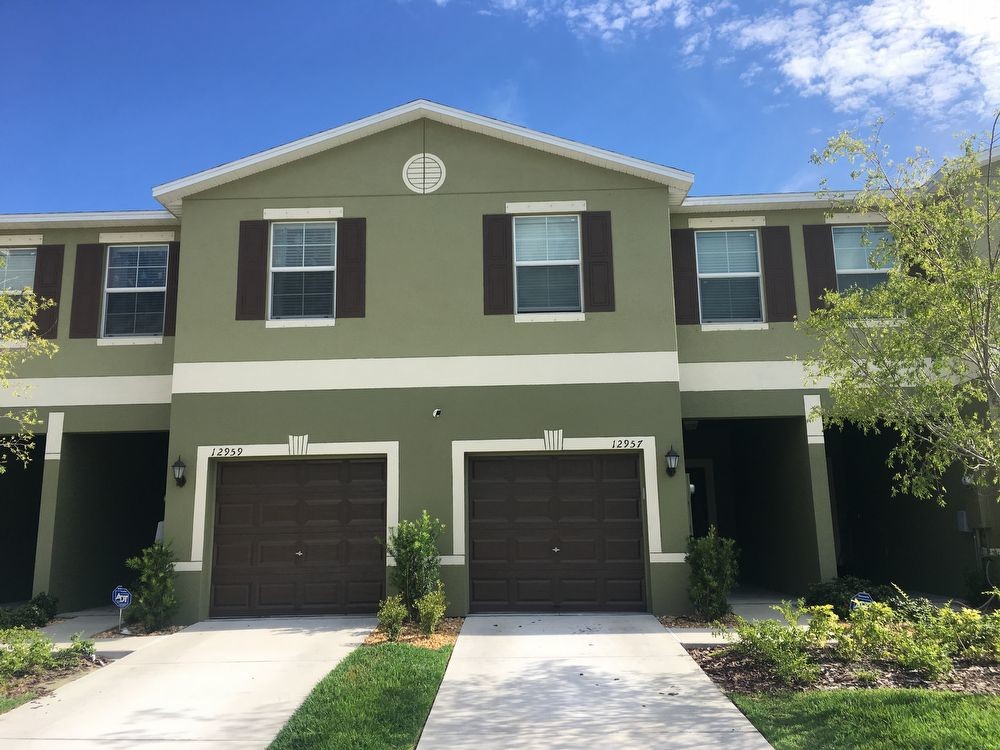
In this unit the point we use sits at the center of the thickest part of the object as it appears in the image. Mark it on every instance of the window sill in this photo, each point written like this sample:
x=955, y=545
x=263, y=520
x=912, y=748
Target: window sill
x=16, y=344
x=130, y=341
x=563, y=317
x=303, y=323
x=735, y=326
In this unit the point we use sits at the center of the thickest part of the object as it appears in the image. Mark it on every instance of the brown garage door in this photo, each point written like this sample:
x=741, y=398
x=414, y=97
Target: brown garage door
x=556, y=533
x=299, y=537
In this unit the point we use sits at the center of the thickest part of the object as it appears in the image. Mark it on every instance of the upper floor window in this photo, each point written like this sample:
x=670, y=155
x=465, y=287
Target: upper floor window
x=547, y=264
x=303, y=265
x=729, y=281
x=135, y=290
x=17, y=269
x=857, y=255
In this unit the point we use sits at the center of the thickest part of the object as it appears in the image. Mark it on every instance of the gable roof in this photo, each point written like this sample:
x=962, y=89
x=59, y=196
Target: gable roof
x=170, y=194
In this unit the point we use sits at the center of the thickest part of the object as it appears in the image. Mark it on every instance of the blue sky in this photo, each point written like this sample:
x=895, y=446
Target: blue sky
x=101, y=100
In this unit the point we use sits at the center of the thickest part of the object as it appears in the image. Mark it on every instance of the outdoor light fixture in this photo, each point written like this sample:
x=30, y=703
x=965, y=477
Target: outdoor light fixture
x=179, y=468
x=672, y=458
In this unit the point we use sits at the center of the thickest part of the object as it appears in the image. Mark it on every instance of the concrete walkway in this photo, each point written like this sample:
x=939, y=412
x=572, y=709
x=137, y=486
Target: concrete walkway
x=557, y=682
x=86, y=622
x=228, y=684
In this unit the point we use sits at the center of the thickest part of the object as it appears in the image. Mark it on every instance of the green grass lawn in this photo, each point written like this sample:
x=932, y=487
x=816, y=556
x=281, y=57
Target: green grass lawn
x=378, y=698
x=7, y=703
x=875, y=719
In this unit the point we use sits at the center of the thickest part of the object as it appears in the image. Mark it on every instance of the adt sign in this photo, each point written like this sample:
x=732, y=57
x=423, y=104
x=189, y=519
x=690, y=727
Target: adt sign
x=121, y=597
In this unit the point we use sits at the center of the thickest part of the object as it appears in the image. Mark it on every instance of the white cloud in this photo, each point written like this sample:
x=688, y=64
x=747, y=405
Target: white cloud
x=933, y=57
x=504, y=102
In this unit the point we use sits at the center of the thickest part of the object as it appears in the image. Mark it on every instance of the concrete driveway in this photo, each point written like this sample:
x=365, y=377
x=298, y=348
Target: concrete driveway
x=619, y=682
x=228, y=684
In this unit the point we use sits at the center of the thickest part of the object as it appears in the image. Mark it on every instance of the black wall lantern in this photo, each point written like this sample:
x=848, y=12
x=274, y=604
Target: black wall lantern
x=672, y=458
x=179, y=468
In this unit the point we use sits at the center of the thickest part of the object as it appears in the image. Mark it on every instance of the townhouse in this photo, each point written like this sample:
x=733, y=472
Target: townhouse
x=549, y=346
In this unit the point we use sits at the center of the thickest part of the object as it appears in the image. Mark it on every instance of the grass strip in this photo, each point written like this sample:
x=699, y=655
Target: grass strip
x=900, y=719
x=9, y=702
x=377, y=698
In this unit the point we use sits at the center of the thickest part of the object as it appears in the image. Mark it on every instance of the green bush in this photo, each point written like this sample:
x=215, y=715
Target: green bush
x=154, y=599
x=35, y=614
x=24, y=651
x=873, y=633
x=413, y=545
x=713, y=562
x=824, y=625
x=392, y=613
x=781, y=648
x=431, y=608
x=921, y=654
x=838, y=593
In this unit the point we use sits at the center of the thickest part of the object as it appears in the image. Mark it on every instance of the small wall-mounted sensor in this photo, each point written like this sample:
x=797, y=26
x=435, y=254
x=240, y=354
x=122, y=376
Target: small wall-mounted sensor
x=437, y=413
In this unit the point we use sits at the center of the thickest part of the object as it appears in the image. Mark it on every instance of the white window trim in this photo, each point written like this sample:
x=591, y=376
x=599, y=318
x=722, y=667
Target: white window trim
x=199, y=521
x=34, y=270
x=856, y=219
x=528, y=263
x=739, y=275
x=137, y=289
x=461, y=449
x=300, y=323
x=546, y=207
x=557, y=317
x=727, y=222
x=271, y=270
x=735, y=326
x=18, y=241
x=304, y=214
x=136, y=238
x=129, y=340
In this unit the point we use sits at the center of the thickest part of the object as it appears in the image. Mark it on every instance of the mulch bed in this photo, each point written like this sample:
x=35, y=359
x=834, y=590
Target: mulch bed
x=445, y=635
x=683, y=621
x=45, y=682
x=136, y=629
x=737, y=674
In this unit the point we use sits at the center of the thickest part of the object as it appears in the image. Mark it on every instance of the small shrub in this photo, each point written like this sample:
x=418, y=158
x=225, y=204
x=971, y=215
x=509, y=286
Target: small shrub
x=867, y=677
x=838, y=593
x=431, y=608
x=154, y=599
x=872, y=634
x=913, y=609
x=714, y=565
x=824, y=624
x=47, y=604
x=923, y=655
x=413, y=545
x=35, y=614
x=392, y=613
x=24, y=651
x=777, y=647
x=79, y=648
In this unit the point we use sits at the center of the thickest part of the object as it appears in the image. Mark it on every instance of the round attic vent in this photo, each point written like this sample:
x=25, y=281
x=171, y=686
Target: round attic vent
x=423, y=173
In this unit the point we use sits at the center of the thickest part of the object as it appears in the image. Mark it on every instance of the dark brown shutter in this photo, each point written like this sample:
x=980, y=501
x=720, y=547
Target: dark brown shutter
x=498, y=265
x=821, y=268
x=85, y=318
x=779, y=281
x=251, y=271
x=598, y=268
x=685, y=276
x=48, y=285
x=170, y=304
x=351, y=268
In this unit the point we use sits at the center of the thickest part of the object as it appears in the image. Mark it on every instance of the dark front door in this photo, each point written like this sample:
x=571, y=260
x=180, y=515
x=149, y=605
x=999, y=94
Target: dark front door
x=556, y=533
x=299, y=537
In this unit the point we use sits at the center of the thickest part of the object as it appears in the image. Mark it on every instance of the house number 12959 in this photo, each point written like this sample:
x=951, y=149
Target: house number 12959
x=626, y=443
x=227, y=452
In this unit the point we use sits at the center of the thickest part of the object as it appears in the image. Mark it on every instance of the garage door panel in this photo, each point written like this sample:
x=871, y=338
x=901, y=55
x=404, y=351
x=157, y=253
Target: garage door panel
x=589, y=507
x=329, y=510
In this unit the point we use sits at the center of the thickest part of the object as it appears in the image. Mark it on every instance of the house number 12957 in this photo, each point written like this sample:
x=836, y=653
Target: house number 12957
x=626, y=443
x=226, y=452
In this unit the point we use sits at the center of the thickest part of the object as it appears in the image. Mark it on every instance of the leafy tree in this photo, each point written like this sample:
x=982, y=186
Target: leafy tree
x=920, y=353
x=19, y=343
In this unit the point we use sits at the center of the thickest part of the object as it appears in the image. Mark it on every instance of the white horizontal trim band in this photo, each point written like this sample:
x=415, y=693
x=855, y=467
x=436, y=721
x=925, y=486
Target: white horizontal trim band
x=329, y=212
x=744, y=376
x=726, y=222
x=549, y=317
x=734, y=326
x=425, y=372
x=544, y=207
x=668, y=557
x=130, y=341
x=112, y=237
x=20, y=240
x=91, y=391
x=187, y=566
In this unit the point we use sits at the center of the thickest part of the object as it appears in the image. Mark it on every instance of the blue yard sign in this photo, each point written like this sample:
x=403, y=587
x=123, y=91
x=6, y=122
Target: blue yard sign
x=862, y=597
x=121, y=597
